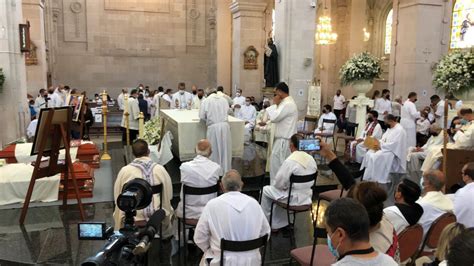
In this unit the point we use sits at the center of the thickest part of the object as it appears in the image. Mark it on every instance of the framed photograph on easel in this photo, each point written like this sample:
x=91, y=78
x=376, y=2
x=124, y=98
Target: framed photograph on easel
x=76, y=101
x=61, y=116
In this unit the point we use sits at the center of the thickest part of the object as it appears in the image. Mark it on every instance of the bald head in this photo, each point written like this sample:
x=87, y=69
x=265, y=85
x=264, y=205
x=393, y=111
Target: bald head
x=434, y=128
x=203, y=148
x=232, y=181
x=433, y=180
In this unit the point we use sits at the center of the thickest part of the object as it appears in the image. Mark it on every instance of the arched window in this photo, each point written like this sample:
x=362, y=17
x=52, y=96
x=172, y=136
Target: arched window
x=388, y=32
x=462, y=27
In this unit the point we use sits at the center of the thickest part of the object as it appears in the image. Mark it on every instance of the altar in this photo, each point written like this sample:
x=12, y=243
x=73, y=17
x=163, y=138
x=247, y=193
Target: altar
x=187, y=130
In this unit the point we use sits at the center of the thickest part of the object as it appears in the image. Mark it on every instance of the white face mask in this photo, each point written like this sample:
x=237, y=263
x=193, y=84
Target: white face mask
x=247, y=103
x=181, y=92
x=238, y=94
x=458, y=126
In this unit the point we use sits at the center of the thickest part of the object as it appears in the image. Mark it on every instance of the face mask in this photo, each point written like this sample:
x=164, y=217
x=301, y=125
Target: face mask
x=200, y=96
x=370, y=119
x=458, y=126
x=194, y=92
x=181, y=92
x=238, y=94
x=464, y=122
x=415, y=100
x=387, y=97
x=338, y=94
x=324, y=111
x=333, y=250
x=434, y=134
x=247, y=103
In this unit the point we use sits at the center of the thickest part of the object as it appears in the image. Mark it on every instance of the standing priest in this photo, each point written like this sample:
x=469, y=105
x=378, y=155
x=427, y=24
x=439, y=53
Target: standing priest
x=409, y=115
x=284, y=116
x=214, y=111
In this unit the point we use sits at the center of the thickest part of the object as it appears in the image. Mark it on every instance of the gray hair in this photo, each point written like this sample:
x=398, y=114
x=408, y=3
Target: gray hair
x=433, y=178
x=205, y=153
x=232, y=181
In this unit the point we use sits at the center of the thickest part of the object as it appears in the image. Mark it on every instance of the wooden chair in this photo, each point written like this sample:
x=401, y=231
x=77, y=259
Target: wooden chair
x=310, y=124
x=294, y=179
x=346, y=138
x=241, y=246
x=253, y=186
x=328, y=196
x=433, y=234
x=331, y=134
x=191, y=223
x=409, y=240
x=305, y=255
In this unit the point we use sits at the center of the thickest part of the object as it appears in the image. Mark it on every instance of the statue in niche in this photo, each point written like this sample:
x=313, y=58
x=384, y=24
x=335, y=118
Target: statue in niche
x=250, y=58
x=31, y=57
x=271, y=64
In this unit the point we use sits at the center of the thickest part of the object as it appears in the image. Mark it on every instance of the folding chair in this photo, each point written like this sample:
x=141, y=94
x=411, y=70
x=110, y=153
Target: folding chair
x=242, y=246
x=409, y=240
x=346, y=138
x=310, y=124
x=305, y=255
x=253, y=186
x=433, y=234
x=331, y=134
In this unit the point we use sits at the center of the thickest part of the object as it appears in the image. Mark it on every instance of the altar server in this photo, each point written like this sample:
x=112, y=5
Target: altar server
x=373, y=129
x=390, y=156
x=231, y=216
x=326, y=128
x=248, y=113
x=464, y=198
x=383, y=106
x=134, y=112
x=181, y=99
x=120, y=99
x=409, y=115
x=214, y=111
x=239, y=99
x=198, y=98
x=298, y=163
x=200, y=172
x=284, y=116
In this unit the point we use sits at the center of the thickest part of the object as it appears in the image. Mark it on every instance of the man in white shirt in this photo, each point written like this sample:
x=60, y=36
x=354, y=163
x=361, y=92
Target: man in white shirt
x=438, y=106
x=397, y=106
x=41, y=100
x=339, y=101
x=422, y=128
x=181, y=99
x=390, y=154
x=409, y=115
x=298, y=163
x=231, y=216
x=464, y=197
x=357, y=148
x=384, y=107
x=200, y=172
x=214, y=111
x=434, y=202
x=120, y=100
x=263, y=125
x=220, y=92
x=416, y=155
x=56, y=97
x=284, y=116
x=198, y=98
x=326, y=128
x=239, y=99
x=248, y=113
x=134, y=113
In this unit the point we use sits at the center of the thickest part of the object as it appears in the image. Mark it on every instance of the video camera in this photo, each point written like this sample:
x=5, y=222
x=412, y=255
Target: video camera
x=129, y=245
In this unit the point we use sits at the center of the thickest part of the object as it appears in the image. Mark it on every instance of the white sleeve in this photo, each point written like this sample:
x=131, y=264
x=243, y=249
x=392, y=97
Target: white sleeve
x=413, y=112
x=280, y=114
x=202, y=232
x=282, y=177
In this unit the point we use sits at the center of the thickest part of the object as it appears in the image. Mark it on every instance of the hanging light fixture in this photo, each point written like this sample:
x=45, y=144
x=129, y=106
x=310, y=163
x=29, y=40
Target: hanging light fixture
x=324, y=34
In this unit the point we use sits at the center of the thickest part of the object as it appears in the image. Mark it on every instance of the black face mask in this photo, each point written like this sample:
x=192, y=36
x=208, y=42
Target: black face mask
x=194, y=92
x=387, y=125
x=434, y=134
x=200, y=96
x=415, y=100
x=387, y=97
x=370, y=119
x=324, y=111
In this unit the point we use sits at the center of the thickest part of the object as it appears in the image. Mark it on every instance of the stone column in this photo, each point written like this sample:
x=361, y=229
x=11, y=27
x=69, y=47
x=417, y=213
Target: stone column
x=414, y=48
x=224, y=44
x=36, y=72
x=248, y=21
x=14, y=113
x=358, y=23
x=294, y=37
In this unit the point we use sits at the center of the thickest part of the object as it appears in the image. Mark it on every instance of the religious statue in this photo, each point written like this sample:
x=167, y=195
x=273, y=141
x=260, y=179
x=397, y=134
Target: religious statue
x=250, y=58
x=271, y=64
x=31, y=57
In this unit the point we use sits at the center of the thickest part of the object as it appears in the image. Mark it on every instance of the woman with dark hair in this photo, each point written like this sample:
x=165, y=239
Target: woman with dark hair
x=406, y=211
x=383, y=236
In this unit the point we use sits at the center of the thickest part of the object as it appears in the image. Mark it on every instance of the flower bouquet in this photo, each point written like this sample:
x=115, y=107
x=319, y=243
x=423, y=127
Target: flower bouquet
x=455, y=72
x=152, y=131
x=361, y=67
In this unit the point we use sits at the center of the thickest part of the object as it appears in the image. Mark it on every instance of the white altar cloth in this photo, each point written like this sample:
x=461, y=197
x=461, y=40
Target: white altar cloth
x=187, y=130
x=23, y=151
x=15, y=179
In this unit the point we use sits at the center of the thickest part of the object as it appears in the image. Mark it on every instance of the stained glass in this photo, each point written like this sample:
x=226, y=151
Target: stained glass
x=462, y=27
x=388, y=32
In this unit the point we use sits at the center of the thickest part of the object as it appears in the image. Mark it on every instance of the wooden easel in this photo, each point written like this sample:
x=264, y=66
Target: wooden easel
x=82, y=119
x=56, y=132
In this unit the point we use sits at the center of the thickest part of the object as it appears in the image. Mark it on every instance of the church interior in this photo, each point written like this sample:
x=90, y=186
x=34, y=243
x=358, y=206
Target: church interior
x=94, y=93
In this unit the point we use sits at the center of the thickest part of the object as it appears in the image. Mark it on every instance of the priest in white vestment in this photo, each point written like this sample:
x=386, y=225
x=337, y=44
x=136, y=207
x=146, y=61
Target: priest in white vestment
x=40, y=101
x=438, y=107
x=248, y=113
x=56, y=98
x=373, y=129
x=220, y=92
x=325, y=127
x=198, y=98
x=231, y=216
x=134, y=114
x=383, y=106
x=262, y=124
x=464, y=140
x=390, y=156
x=409, y=115
x=214, y=111
x=239, y=99
x=120, y=99
x=416, y=155
x=464, y=197
x=284, y=116
x=434, y=202
x=154, y=174
x=181, y=99
x=298, y=163
x=200, y=172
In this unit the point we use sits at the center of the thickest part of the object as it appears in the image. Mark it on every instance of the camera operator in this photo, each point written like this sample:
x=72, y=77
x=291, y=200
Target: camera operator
x=155, y=174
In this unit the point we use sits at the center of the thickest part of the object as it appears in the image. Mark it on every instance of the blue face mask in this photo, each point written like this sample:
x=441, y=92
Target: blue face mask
x=464, y=122
x=333, y=250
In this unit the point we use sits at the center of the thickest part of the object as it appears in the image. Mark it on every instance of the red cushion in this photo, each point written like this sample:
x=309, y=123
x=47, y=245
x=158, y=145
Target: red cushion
x=322, y=255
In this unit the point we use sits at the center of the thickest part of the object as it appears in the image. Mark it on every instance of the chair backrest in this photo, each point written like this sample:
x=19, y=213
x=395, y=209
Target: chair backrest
x=295, y=179
x=310, y=123
x=188, y=190
x=158, y=189
x=330, y=121
x=409, y=240
x=433, y=234
x=241, y=246
x=253, y=186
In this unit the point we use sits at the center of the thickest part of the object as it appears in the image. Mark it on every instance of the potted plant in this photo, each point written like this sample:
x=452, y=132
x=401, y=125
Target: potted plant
x=360, y=71
x=2, y=79
x=455, y=73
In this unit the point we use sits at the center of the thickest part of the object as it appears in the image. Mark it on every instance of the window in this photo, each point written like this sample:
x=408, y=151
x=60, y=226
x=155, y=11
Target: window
x=462, y=27
x=273, y=24
x=388, y=32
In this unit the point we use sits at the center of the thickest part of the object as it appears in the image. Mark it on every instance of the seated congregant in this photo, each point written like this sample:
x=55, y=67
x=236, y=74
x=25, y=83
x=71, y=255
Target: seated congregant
x=422, y=129
x=464, y=197
x=383, y=236
x=200, y=172
x=416, y=155
x=434, y=202
x=464, y=140
x=262, y=124
x=357, y=148
x=406, y=212
x=347, y=224
x=248, y=113
x=298, y=163
x=326, y=128
x=232, y=216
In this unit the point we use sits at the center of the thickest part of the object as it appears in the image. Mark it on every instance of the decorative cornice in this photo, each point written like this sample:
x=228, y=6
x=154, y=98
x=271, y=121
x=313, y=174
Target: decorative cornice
x=239, y=6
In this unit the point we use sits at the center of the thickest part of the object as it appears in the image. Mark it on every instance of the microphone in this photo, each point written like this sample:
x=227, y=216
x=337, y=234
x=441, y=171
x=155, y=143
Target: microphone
x=148, y=234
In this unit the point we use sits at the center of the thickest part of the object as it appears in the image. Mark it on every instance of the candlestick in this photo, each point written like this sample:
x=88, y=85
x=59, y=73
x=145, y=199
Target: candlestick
x=141, y=125
x=105, y=154
x=127, y=122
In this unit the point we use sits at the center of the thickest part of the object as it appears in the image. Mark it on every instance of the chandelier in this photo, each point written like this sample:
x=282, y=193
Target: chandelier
x=324, y=34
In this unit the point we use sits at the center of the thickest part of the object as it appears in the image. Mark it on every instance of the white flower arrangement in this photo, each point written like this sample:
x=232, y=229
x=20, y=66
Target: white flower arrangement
x=152, y=134
x=363, y=66
x=455, y=72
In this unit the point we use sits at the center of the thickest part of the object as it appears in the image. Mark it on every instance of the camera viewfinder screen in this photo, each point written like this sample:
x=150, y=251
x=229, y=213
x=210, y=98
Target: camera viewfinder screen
x=309, y=145
x=90, y=231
